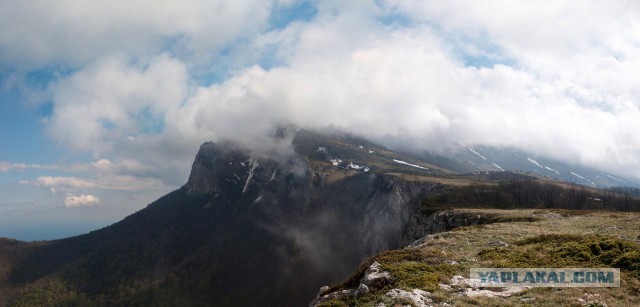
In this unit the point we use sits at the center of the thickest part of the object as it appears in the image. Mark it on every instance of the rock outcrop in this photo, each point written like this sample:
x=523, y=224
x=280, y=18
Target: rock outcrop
x=374, y=278
x=416, y=297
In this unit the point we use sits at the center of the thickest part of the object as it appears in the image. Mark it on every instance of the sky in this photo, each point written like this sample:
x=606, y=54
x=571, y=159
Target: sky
x=103, y=104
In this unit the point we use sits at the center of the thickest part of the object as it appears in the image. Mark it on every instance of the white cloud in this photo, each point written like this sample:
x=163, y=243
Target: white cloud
x=109, y=182
x=566, y=88
x=83, y=200
x=77, y=32
x=99, y=167
x=410, y=85
x=8, y=166
x=109, y=101
x=58, y=182
x=592, y=44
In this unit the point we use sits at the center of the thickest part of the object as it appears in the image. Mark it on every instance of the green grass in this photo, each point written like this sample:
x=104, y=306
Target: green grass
x=411, y=268
x=386, y=257
x=564, y=250
x=420, y=275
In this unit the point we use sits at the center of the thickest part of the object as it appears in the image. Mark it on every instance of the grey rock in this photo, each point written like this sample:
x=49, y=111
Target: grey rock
x=417, y=297
x=375, y=277
x=323, y=289
x=362, y=289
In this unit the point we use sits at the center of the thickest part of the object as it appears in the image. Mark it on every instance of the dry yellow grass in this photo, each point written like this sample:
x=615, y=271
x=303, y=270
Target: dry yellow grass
x=463, y=245
x=431, y=262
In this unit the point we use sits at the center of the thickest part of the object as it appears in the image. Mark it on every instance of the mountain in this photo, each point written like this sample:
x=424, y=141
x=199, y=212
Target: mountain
x=253, y=228
x=241, y=231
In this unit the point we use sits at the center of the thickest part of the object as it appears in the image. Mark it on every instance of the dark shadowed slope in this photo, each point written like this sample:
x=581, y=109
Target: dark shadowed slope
x=245, y=230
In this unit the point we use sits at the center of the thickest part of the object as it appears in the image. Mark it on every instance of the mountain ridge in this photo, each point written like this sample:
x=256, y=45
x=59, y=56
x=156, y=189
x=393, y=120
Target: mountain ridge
x=311, y=217
x=251, y=228
x=483, y=158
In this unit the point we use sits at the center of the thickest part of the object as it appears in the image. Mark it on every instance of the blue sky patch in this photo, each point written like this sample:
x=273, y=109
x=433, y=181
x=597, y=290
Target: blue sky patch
x=282, y=16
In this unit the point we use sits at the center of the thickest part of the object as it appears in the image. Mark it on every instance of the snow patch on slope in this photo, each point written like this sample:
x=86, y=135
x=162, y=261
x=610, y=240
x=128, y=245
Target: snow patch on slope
x=535, y=162
x=572, y=173
x=355, y=166
x=498, y=166
x=409, y=164
x=477, y=154
x=553, y=170
x=253, y=164
x=615, y=178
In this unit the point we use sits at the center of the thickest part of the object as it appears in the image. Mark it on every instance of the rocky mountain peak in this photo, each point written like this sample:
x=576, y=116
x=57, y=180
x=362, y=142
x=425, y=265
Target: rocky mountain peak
x=211, y=162
x=229, y=173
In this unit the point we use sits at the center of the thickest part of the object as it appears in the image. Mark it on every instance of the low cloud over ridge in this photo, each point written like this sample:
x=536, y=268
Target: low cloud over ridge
x=550, y=77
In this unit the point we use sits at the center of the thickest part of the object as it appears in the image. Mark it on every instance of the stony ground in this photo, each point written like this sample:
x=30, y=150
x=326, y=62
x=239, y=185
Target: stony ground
x=433, y=271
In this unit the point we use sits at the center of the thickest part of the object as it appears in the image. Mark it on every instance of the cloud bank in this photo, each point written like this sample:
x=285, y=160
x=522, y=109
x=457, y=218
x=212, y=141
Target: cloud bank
x=148, y=83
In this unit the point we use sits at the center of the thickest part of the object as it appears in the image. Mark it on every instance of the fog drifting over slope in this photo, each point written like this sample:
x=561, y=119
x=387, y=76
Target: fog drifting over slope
x=555, y=78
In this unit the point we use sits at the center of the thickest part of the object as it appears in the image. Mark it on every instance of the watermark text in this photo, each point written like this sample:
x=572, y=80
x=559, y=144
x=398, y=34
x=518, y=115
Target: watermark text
x=545, y=277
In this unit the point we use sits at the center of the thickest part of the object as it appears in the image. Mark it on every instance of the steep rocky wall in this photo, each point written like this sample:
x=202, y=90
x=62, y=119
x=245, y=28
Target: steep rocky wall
x=320, y=232
x=390, y=204
x=441, y=221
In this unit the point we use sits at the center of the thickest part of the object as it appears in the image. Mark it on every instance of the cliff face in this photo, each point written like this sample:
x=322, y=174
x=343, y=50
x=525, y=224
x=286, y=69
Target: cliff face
x=322, y=228
x=421, y=225
x=418, y=226
x=378, y=209
x=387, y=206
x=232, y=176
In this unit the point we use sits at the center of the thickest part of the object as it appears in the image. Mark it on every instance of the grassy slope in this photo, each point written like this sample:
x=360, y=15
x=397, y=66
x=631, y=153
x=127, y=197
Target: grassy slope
x=559, y=238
